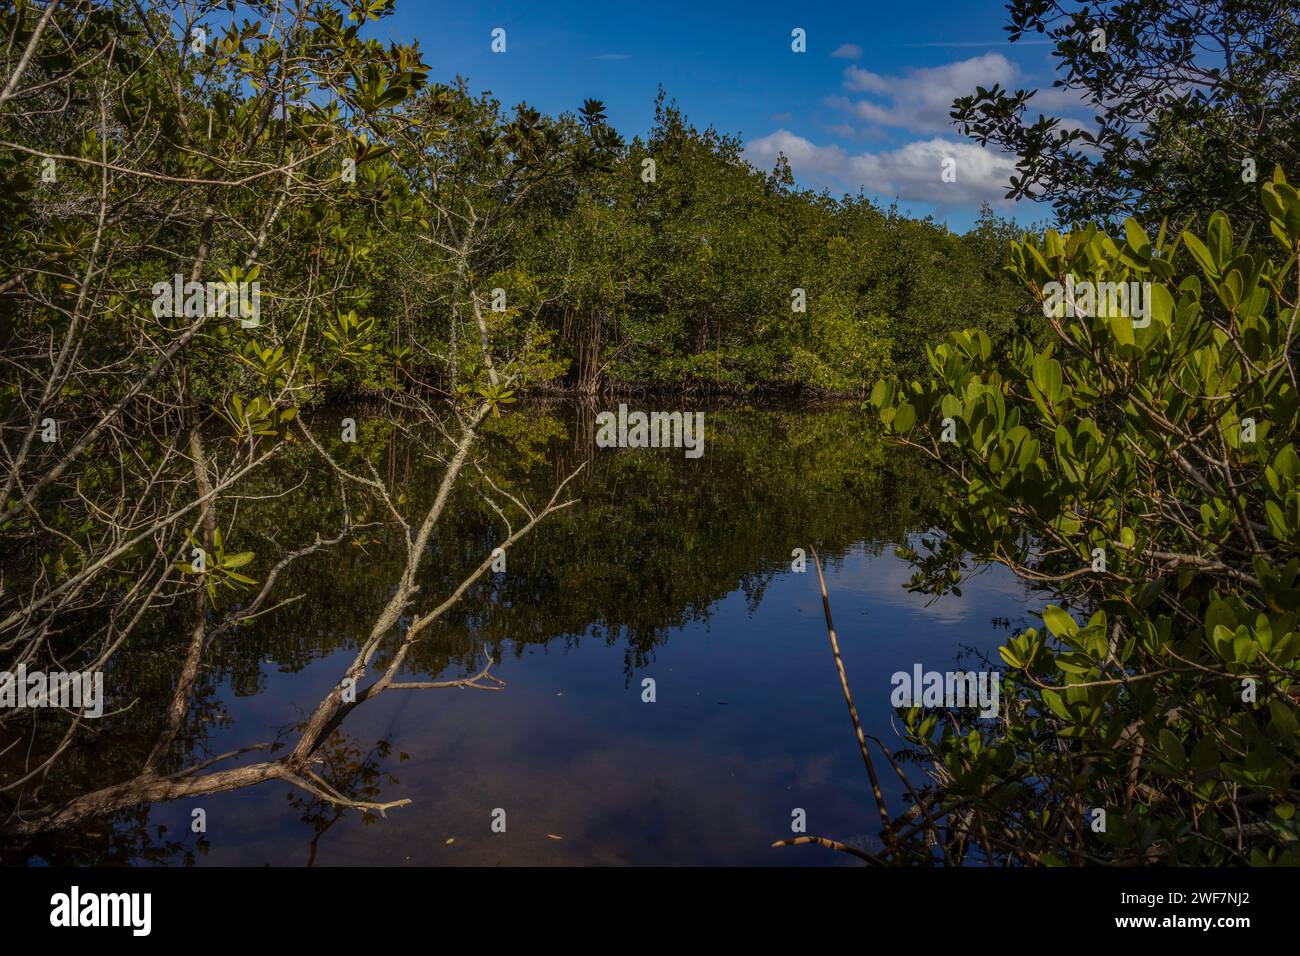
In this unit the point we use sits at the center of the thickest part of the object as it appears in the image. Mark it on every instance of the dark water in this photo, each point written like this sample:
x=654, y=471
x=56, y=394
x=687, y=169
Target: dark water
x=668, y=568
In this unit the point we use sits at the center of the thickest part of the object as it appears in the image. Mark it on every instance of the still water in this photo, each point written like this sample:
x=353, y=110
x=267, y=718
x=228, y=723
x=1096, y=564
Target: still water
x=668, y=568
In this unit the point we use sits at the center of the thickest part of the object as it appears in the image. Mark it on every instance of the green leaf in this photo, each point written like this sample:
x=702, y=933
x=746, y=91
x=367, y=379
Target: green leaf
x=1172, y=749
x=1135, y=236
x=1059, y=622
x=1201, y=253
x=904, y=418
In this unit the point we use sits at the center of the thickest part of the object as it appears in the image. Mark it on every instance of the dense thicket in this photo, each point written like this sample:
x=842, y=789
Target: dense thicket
x=1139, y=464
x=620, y=275
x=1144, y=472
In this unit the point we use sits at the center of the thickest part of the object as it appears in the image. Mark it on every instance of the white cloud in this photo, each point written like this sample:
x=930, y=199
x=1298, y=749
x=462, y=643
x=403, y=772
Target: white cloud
x=917, y=102
x=920, y=100
x=848, y=51
x=805, y=158
x=911, y=172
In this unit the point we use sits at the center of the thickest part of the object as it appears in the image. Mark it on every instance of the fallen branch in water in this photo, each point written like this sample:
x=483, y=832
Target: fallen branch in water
x=887, y=831
x=834, y=845
x=853, y=710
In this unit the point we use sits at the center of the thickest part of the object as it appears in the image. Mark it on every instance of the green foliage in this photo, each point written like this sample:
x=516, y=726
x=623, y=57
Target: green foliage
x=257, y=418
x=685, y=282
x=681, y=283
x=219, y=568
x=1188, y=100
x=1169, y=450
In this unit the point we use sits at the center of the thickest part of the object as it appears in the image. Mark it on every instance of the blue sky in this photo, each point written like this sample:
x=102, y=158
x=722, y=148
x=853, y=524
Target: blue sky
x=865, y=107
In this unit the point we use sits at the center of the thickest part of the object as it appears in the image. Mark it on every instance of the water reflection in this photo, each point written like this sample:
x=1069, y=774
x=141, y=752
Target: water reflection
x=669, y=568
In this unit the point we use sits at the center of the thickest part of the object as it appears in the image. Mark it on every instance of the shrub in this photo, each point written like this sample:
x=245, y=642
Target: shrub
x=1147, y=477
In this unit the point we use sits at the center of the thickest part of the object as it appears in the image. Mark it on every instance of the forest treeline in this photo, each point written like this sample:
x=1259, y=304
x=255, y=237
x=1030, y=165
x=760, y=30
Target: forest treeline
x=663, y=262
x=673, y=264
